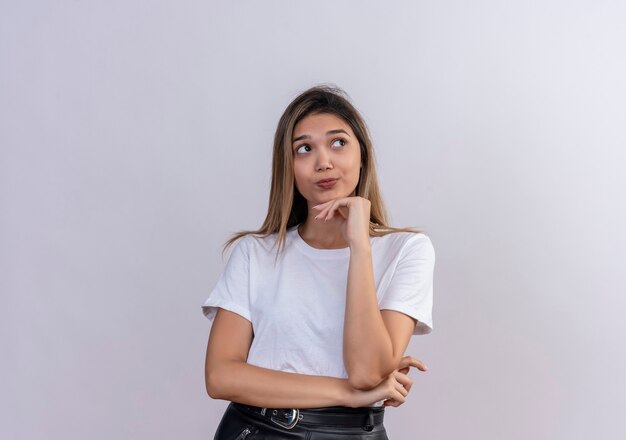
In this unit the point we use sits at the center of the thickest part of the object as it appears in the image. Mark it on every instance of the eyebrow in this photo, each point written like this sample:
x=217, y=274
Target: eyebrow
x=306, y=136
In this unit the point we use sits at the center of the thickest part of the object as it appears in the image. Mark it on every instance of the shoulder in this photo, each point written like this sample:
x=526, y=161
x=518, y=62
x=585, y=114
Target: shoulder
x=420, y=244
x=405, y=243
x=257, y=243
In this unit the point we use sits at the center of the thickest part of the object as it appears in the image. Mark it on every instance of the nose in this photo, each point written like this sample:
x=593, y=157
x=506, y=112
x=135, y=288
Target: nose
x=323, y=161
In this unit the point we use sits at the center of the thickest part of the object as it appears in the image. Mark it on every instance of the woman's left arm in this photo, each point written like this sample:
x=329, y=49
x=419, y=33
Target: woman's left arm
x=374, y=341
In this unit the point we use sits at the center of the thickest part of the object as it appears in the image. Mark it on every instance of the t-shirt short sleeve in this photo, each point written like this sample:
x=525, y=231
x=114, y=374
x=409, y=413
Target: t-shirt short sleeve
x=410, y=290
x=232, y=291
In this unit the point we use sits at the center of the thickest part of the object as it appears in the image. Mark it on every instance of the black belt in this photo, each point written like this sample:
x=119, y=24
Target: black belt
x=366, y=417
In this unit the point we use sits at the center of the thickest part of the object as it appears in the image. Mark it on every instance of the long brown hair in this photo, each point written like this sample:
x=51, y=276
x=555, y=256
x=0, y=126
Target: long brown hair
x=287, y=207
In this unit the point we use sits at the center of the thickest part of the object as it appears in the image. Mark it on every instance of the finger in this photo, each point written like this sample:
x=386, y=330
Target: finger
x=400, y=382
x=400, y=376
x=405, y=380
x=330, y=211
x=395, y=390
x=320, y=209
x=400, y=388
x=337, y=205
x=323, y=212
x=397, y=395
x=327, y=210
x=320, y=206
x=412, y=362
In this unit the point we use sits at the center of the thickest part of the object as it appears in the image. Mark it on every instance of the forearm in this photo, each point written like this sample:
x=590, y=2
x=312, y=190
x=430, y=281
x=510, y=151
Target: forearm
x=366, y=364
x=267, y=388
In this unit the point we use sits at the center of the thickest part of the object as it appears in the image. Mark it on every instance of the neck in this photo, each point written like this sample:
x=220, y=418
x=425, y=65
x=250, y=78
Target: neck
x=323, y=235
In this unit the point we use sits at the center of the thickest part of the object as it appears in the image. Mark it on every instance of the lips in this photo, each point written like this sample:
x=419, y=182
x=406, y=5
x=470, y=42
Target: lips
x=327, y=183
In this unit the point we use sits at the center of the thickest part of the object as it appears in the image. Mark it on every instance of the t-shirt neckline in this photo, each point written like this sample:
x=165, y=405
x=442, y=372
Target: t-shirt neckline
x=315, y=252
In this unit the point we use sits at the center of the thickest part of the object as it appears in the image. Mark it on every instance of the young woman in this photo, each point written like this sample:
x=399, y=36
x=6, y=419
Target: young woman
x=313, y=312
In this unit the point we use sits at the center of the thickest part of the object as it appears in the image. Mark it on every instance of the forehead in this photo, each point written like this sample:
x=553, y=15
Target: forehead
x=319, y=121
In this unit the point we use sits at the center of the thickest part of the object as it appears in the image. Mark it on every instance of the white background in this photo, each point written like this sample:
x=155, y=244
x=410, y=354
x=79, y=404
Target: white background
x=136, y=136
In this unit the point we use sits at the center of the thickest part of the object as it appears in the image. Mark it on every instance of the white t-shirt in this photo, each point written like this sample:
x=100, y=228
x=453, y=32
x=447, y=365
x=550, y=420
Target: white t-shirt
x=297, y=306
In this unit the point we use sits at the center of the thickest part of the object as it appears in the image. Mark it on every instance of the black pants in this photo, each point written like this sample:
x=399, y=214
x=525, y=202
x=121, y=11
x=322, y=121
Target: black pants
x=240, y=423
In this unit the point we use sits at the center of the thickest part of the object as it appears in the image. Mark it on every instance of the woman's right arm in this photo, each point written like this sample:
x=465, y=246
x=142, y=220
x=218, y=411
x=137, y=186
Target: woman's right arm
x=229, y=377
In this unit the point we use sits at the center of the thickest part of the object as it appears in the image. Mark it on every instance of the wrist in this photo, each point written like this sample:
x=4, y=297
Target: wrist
x=346, y=396
x=363, y=247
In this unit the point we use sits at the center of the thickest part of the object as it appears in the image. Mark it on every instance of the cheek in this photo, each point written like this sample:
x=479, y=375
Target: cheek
x=296, y=172
x=353, y=158
x=298, y=175
x=353, y=165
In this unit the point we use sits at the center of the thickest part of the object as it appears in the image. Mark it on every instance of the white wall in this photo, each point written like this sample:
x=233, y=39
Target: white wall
x=136, y=136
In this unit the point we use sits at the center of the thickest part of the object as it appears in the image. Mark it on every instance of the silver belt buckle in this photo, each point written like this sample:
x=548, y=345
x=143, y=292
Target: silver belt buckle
x=294, y=417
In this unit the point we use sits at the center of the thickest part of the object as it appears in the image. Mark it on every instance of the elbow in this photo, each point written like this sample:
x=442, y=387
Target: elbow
x=363, y=382
x=220, y=379
x=367, y=380
x=212, y=384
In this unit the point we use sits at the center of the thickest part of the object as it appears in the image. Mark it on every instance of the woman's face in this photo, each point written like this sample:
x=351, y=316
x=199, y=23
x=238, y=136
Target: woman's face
x=325, y=147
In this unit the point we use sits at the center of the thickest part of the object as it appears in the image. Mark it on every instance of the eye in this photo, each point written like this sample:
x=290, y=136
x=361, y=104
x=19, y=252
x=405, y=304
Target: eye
x=342, y=140
x=303, y=145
